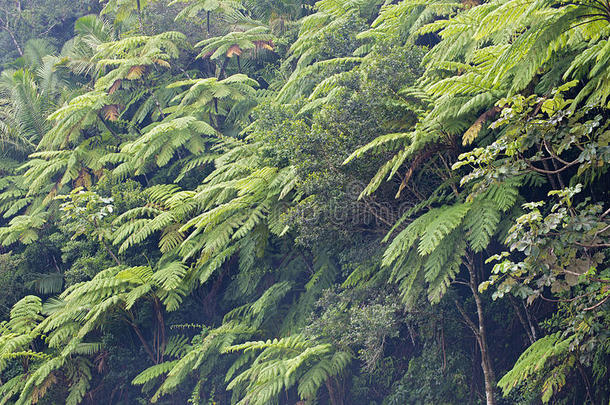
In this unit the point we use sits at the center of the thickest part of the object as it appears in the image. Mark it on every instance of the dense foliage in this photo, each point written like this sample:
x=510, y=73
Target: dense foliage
x=287, y=202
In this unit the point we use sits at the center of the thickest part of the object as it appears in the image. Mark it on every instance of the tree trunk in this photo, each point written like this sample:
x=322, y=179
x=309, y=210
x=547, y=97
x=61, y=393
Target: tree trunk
x=528, y=330
x=222, y=69
x=334, y=393
x=142, y=340
x=10, y=33
x=140, y=21
x=6, y=27
x=488, y=373
x=161, y=340
x=530, y=322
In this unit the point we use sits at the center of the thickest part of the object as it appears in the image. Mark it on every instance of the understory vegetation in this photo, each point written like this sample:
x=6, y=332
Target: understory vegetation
x=295, y=202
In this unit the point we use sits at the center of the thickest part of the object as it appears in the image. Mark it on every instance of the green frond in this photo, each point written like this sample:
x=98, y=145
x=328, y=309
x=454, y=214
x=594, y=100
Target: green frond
x=443, y=264
x=534, y=364
x=283, y=363
x=170, y=275
x=481, y=224
x=152, y=373
x=381, y=143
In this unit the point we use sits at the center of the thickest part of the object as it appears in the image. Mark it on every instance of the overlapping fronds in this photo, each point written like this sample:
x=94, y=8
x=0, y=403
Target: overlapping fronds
x=235, y=43
x=194, y=8
x=131, y=57
x=212, y=95
x=284, y=363
x=546, y=363
x=431, y=248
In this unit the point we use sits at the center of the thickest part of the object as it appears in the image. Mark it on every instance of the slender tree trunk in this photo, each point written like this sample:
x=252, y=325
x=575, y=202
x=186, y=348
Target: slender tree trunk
x=161, y=340
x=116, y=260
x=585, y=379
x=523, y=321
x=222, y=69
x=549, y=176
x=531, y=323
x=10, y=33
x=101, y=239
x=139, y=8
x=488, y=372
x=480, y=333
x=6, y=27
x=145, y=345
x=334, y=393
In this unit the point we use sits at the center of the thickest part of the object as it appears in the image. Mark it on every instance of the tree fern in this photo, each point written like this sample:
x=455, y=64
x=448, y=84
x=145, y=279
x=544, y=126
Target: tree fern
x=282, y=364
x=536, y=363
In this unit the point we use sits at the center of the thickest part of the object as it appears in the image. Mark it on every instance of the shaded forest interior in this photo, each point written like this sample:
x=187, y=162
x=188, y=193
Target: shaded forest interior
x=294, y=202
